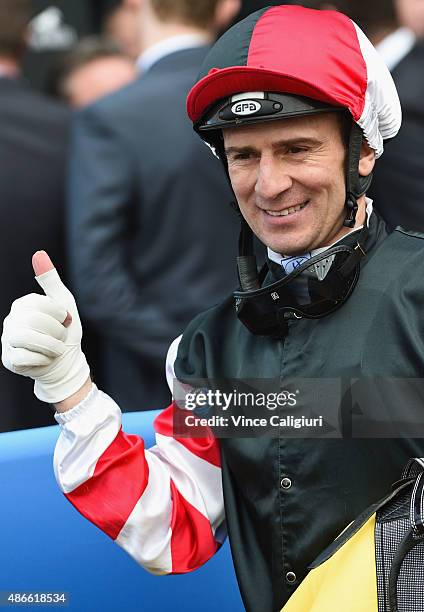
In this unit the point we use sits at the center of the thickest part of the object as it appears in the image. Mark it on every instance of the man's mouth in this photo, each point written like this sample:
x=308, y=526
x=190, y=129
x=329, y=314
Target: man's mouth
x=286, y=211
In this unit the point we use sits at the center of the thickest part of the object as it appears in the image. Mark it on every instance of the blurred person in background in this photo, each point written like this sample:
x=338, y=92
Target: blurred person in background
x=94, y=68
x=400, y=175
x=33, y=142
x=146, y=254
x=411, y=15
x=122, y=25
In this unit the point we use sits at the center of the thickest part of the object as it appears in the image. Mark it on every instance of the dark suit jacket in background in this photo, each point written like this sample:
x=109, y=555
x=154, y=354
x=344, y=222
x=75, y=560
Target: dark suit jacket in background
x=152, y=239
x=398, y=184
x=33, y=138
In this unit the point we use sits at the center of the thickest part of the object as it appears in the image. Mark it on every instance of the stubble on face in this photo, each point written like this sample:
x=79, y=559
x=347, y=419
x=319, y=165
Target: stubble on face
x=289, y=180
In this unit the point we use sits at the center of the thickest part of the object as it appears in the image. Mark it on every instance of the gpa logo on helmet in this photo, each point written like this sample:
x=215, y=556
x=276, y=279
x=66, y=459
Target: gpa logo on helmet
x=246, y=107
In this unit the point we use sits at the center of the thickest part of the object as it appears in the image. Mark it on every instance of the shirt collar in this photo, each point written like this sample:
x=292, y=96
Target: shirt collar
x=165, y=47
x=280, y=259
x=394, y=47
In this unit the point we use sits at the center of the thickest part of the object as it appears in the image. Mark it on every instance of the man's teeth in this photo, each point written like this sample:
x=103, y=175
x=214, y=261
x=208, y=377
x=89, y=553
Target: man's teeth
x=288, y=211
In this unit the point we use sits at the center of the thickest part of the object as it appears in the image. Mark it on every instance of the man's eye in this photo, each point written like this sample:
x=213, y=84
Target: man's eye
x=241, y=156
x=296, y=150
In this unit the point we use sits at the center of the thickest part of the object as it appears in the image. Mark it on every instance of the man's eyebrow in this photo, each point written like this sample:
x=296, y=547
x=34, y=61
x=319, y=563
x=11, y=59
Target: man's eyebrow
x=298, y=140
x=240, y=149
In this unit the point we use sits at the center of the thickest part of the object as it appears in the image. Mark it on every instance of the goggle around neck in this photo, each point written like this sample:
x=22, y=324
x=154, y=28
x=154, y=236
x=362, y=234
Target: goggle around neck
x=315, y=289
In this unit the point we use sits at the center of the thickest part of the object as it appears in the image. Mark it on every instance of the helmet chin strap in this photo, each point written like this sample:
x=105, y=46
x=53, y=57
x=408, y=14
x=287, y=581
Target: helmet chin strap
x=246, y=261
x=356, y=185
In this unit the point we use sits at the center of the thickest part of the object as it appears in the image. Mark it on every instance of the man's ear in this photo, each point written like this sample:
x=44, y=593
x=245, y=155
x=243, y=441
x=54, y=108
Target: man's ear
x=366, y=159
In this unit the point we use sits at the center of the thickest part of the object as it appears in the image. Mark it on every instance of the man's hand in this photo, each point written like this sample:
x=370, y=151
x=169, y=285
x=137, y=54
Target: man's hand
x=42, y=338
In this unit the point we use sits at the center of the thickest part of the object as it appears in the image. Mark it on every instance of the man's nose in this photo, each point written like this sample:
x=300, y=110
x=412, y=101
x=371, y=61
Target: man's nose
x=273, y=178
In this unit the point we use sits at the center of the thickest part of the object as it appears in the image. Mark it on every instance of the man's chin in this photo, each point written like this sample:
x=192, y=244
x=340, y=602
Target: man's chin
x=288, y=249
x=288, y=243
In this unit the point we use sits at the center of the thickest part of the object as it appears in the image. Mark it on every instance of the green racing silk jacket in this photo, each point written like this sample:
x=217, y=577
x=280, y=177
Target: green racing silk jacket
x=283, y=498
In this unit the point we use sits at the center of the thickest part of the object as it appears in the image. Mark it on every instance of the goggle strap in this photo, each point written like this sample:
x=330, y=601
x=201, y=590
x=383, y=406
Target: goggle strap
x=245, y=239
x=359, y=251
x=246, y=261
x=248, y=273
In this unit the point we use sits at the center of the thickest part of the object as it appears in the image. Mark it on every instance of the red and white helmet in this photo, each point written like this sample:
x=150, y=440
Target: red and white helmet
x=288, y=61
x=320, y=55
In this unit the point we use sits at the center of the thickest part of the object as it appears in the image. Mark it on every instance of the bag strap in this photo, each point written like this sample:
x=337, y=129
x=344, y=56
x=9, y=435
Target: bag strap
x=415, y=469
x=415, y=535
x=416, y=513
x=356, y=525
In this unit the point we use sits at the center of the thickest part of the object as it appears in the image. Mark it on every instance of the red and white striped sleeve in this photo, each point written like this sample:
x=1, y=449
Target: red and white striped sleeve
x=163, y=505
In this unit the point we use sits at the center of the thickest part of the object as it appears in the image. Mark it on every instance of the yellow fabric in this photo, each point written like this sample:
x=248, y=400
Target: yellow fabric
x=346, y=582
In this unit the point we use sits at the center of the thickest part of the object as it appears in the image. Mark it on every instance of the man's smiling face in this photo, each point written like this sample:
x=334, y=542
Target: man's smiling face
x=289, y=180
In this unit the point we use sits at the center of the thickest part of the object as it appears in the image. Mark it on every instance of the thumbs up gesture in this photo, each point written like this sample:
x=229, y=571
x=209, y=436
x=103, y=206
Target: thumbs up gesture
x=42, y=337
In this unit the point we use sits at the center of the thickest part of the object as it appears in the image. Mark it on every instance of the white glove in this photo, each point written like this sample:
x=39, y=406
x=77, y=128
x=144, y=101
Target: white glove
x=36, y=343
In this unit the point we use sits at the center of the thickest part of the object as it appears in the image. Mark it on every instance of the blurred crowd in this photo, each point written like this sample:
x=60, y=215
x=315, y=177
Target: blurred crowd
x=101, y=168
